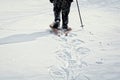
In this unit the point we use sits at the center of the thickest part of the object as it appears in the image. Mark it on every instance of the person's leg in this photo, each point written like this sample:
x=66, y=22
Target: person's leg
x=65, y=12
x=57, y=10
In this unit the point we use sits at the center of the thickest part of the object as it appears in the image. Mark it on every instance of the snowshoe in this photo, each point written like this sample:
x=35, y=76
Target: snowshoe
x=66, y=31
x=55, y=29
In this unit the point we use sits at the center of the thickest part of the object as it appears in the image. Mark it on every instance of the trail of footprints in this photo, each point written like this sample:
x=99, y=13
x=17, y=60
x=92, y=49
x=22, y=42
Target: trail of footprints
x=71, y=55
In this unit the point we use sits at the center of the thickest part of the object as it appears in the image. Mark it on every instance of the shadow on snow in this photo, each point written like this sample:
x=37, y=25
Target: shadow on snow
x=23, y=37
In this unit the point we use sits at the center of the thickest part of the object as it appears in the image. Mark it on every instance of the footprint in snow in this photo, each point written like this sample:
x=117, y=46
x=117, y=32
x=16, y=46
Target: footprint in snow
x=82, y=50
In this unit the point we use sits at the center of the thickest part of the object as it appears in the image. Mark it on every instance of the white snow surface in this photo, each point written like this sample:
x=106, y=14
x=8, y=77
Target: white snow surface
x=28, y=51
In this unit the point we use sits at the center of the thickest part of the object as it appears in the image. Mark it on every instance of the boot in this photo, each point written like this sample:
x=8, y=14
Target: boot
x=66, y=28
x=55, y=24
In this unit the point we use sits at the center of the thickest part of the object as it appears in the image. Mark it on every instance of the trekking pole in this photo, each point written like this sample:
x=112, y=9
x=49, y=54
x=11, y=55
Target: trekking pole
x=79, y=14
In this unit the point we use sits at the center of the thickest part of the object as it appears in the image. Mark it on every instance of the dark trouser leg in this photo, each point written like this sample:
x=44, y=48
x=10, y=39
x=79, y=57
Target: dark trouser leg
x=57, y=13
x=57, y=10
x=65, y=20
x=65, y=13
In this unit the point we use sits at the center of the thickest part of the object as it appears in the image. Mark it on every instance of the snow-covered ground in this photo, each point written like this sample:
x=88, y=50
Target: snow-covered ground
x=28, y=51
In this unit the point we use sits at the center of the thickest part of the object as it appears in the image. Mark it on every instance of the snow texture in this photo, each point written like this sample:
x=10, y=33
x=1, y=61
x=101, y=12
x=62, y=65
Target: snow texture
x=28, y=51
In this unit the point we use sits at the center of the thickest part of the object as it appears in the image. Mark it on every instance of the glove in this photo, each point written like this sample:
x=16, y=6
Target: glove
x=51, y=1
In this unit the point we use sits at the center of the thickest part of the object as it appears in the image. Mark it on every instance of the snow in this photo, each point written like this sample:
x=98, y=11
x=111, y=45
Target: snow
x=28, y=51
